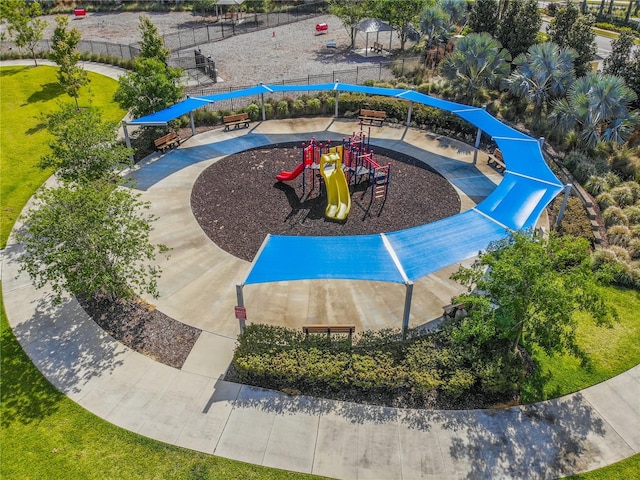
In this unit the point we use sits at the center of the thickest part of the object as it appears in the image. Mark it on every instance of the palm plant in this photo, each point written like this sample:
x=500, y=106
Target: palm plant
x=478, y=62
x=542, y=74
x=597, y=107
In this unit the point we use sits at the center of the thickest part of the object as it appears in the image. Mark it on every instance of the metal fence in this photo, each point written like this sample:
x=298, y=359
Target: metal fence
x=91, y=47
x=222, y=28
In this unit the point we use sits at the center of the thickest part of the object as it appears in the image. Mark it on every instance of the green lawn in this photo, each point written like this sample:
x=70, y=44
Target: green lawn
x=611, y=350
x=27, y=93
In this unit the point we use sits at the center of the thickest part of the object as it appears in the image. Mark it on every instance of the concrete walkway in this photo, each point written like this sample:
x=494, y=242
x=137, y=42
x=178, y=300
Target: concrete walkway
x=194, y=408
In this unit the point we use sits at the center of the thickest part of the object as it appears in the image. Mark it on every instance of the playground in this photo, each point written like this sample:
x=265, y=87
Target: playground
x=238, y=200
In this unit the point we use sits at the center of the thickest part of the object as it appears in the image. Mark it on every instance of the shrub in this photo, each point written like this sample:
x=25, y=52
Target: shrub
x=314, y=105
x=634, y=248
x=633, y=214
x=282, y=109
x=606, y=200
x=619, y=235
x=623, y=195
x=596, y=185
x=254, y=110
x=614, y=216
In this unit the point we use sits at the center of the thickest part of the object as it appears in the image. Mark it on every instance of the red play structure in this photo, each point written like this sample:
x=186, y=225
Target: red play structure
x=357, y=161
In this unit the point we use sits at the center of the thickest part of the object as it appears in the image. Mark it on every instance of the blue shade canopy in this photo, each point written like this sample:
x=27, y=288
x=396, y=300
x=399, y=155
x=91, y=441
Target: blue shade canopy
x=408, y=255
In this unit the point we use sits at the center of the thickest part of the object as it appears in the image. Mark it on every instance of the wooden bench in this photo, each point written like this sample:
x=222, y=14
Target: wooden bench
x=497, y=160
x=167, y=141
x=377, y=47
x=236, y=120
x=329, y=329
x=372, y=116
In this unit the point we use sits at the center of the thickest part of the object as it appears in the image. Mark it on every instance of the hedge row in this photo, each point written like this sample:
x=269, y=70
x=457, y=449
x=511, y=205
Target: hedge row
x=379, y=366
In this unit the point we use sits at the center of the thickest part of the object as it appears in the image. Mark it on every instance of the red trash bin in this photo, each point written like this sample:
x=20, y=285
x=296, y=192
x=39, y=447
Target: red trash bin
x=322, y=27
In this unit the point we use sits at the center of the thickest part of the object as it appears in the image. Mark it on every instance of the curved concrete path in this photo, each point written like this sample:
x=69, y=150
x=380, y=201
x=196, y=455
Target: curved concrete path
x=194, y=408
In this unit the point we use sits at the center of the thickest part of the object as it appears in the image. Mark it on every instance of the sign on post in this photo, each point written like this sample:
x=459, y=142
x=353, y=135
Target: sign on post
x=241, y=312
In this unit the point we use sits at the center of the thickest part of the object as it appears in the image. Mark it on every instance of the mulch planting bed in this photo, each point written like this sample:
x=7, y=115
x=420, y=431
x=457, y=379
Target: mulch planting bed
x=237, y=201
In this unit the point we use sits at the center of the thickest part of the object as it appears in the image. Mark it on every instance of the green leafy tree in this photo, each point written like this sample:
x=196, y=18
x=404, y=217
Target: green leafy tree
x=624, y=61
x=152, y=85
x=84, y=147
x=519, y=27
x=597, y=107
x=537, y=285
x=152, y=44
x=90, y=240
x=23, y=24
x=350, y=12
x=71, y=76
x=477, y=62
x=435, y=25
x=484, y=17
x=456, y=9
x=570, y=28
x=400, y=16
x=542, y=75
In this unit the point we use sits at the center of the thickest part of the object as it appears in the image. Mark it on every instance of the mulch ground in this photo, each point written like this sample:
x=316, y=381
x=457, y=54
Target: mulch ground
x=237, y=201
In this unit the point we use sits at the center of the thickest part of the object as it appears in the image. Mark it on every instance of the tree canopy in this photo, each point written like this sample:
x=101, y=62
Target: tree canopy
x=570, y=28
x=23, y=23
x=518, y=29
x=84, y=147
x=536, y=285
x=89, y=240
x=64, y=52
x=152, y=85
x=484, y=17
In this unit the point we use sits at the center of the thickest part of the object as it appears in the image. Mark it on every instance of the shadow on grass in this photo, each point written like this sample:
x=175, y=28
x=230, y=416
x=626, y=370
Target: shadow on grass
x=26, y=396
x=48, y=92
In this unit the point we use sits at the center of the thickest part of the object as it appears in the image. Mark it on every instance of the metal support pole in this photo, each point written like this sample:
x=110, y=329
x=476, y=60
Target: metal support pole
x=477, y=144
x=240, y=302
x=541, y=142
x=337, y=99
x=127, y=140
x=407, y=308
x=565, y=200
x=264, y=115
x=193, y=123
x=409, y=113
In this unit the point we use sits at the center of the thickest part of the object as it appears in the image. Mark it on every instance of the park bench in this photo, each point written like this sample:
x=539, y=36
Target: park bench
x=80, y=12
x=167, y=141
x=329, y=329
x=497, y=160
x=236, y=120
x=372, y=116
x=377, y=47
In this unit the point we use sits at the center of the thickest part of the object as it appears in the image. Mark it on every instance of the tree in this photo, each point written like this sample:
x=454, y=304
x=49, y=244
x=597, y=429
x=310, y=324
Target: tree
x=400, y=17
x=569, y=28
x=537, y=285
x=456, y=9
x=543, y=74
x=152, y=85
x=484, y=17
x=624, y=61
x=350, y=12
x=152, y=45
x=519, y=26
x=597, y=107
x=89, y=240
x=84, y=147
x=64, y=52
x=477, y=62
x=23, y=25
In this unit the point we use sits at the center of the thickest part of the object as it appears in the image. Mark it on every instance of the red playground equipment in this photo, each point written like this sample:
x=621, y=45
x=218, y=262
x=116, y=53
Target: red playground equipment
x=321, y=28
x=357, y=160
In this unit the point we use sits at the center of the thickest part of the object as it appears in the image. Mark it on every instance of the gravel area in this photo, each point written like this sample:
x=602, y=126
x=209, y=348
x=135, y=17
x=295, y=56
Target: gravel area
x=285, y=52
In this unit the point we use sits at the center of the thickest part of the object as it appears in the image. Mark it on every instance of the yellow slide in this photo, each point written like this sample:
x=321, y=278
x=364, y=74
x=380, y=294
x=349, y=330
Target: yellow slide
x=338, y=196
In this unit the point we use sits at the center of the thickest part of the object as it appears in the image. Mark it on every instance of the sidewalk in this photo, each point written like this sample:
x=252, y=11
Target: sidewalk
x=194, y=408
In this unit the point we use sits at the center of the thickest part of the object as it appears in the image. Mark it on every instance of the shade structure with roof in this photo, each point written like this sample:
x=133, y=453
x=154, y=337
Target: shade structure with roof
x=373, y=25
x=404, y=256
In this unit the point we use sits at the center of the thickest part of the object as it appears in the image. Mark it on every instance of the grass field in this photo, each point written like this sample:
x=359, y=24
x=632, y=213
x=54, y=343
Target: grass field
x=28, y=93
x=46, y=435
